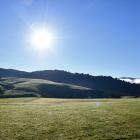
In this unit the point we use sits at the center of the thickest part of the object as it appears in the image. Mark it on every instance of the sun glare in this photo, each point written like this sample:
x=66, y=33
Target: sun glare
x=42, y=38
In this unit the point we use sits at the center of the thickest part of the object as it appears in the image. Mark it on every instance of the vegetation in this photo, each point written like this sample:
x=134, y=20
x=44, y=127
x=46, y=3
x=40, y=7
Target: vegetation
x=1, y=90
x=25, y=87
x=101, y=86
x=51, y=119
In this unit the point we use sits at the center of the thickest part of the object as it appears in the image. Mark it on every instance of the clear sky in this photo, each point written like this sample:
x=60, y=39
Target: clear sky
x=100, y=37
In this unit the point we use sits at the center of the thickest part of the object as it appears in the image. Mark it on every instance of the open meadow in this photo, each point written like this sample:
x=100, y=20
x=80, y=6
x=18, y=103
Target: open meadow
x=63, y=119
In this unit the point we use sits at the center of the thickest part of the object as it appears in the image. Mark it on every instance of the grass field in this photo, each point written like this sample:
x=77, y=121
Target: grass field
x=61, y=119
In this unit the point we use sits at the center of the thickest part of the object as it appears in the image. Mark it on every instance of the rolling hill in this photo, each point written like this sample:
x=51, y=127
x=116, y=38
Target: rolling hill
x=62, y=84
x=26, y=87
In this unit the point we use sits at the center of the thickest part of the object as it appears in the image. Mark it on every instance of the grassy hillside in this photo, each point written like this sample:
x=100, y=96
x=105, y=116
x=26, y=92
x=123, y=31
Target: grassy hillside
x=25, y=87
x=60, y=119
x=105, y=86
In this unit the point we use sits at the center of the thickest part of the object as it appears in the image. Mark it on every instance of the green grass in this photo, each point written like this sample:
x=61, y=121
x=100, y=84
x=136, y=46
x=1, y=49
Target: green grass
x=60, y=119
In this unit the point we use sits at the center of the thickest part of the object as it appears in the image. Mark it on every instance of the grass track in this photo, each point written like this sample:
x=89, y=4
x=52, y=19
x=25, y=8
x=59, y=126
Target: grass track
x=62, y=119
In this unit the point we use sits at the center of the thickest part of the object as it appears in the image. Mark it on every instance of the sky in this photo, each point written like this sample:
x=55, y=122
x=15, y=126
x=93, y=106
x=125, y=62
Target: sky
x=99, y=37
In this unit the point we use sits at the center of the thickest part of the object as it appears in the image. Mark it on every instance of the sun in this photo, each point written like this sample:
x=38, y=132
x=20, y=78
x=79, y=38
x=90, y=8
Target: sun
x=42, y=38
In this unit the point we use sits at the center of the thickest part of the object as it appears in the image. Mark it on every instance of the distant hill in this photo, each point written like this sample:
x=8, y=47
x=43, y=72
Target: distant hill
x=11, y=73
x=25, y=87
x=102, y=86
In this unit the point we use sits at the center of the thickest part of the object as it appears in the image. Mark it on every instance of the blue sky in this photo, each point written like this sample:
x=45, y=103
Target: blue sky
x=100, y=37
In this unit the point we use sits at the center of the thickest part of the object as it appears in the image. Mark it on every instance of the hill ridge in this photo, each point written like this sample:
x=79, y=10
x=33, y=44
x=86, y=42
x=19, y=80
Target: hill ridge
x=106, y=85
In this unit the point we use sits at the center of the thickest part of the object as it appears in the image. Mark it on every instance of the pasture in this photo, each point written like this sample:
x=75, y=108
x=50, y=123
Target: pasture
x=65, y=119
